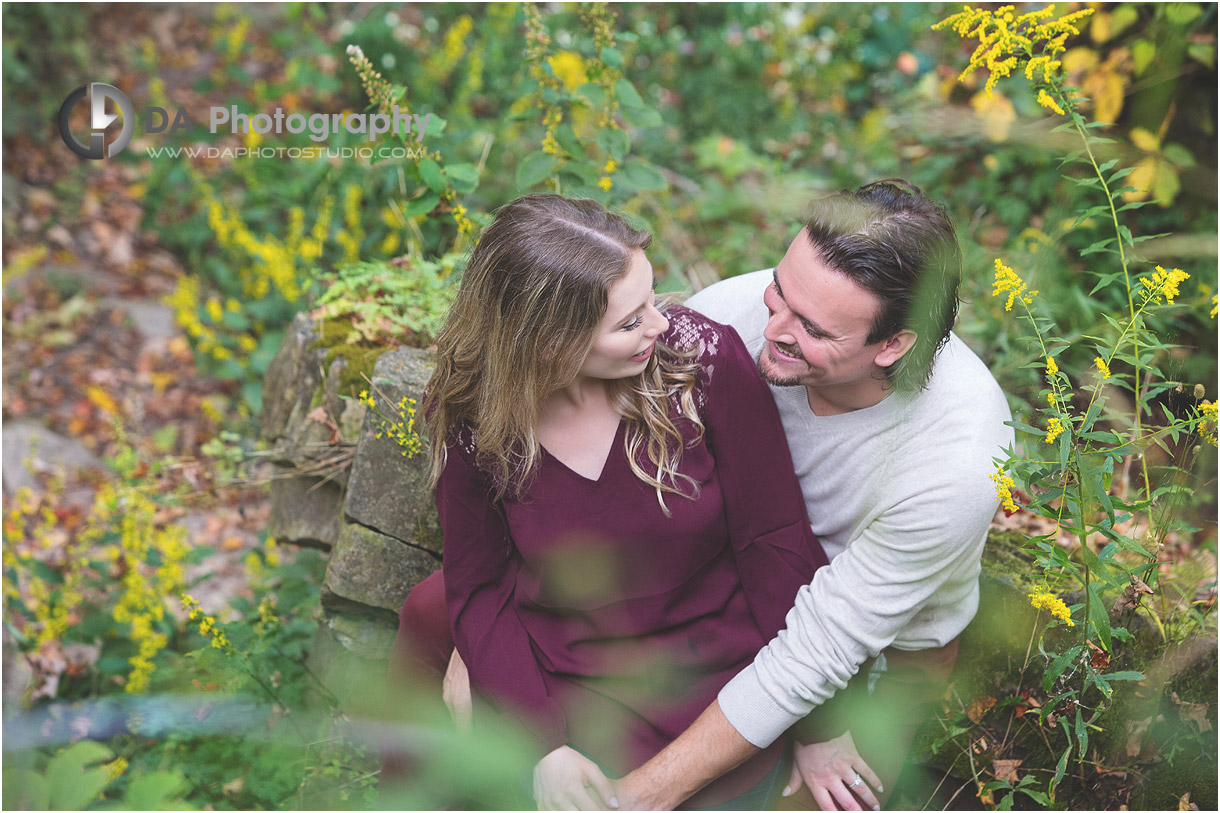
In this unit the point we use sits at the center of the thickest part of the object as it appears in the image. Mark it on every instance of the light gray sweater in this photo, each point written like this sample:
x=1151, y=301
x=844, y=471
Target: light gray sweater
x=899, y=495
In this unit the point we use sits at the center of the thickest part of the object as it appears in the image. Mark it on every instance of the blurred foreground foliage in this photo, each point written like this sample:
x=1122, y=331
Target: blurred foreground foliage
x=713, y=125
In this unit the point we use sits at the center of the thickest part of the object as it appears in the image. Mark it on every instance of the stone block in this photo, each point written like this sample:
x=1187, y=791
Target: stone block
x=372, y=572
x=387, y=491
x=305, y=511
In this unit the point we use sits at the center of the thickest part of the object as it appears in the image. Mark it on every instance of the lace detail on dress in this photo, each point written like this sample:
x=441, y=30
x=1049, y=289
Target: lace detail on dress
x=689, y=330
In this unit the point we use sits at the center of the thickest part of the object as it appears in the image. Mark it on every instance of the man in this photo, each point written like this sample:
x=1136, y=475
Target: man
x=894, y=425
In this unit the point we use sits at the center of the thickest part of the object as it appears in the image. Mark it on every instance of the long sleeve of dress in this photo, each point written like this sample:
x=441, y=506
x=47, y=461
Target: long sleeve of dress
x=481, y=566
x=775, y=549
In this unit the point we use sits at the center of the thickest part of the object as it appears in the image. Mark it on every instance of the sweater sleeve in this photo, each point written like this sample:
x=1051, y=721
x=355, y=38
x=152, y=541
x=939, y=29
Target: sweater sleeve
x=481, y=565
x=856, y=607
x=773, y=545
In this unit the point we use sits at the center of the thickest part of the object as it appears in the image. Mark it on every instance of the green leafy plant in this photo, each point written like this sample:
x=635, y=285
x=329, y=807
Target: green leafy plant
x=1106, y=529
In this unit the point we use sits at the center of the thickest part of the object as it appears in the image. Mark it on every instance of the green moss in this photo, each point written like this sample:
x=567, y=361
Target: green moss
x=340, y=339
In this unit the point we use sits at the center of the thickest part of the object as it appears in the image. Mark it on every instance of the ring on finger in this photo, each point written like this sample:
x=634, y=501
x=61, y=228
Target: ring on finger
x=856, y=782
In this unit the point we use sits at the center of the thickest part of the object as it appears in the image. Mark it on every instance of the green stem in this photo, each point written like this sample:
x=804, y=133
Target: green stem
x=1122, y=256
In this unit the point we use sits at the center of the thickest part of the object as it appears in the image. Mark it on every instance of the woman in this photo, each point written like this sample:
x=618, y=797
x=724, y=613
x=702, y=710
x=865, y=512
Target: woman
x=623, y=529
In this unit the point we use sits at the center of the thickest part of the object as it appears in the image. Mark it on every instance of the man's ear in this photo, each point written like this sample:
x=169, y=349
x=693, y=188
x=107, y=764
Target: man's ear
x=894, y=348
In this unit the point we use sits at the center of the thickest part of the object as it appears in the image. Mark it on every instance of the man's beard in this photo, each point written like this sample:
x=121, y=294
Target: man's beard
x=771, y=378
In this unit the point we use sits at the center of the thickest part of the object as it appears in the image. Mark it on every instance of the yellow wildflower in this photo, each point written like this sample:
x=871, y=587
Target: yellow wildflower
x=1047, y=101
x=1054, y=428
x=1007, y=281
x=1163, y=284
x=1102, y=367
x=1207, y=421
x=1052, y=369
x=1215, y=306
x=605, y=183
x=1050, y=398
x=1003, y=490
x=115, y=768
x=1006, y=40
x=610, y=167
x=1042, y=600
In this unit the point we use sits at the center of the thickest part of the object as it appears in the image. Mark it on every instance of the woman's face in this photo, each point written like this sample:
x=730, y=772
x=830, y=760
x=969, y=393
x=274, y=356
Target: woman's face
x=624, y=341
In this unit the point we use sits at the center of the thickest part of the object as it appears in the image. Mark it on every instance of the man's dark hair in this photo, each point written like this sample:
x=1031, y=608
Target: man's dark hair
x=894, y=241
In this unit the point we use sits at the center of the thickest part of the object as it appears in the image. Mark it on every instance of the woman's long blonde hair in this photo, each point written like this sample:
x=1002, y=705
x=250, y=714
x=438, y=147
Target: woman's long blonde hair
x=532, y=295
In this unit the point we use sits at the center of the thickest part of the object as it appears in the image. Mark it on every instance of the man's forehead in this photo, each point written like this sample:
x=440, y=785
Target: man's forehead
x=818, y=291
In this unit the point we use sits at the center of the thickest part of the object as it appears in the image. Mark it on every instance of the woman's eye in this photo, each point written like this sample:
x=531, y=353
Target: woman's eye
x=633, y=324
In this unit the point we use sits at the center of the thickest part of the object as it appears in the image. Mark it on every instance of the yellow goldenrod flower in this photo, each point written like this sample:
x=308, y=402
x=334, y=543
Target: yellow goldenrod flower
x=1052, y=369
x=1006, y=40
x=1102, y=367
x=1042, y=600
x=1207, y=422
x=1163, y=284
x=1047, y=101
x=1054, y=428
x=605, y=183
x=1007, y=281
x=1003, y=490
x=115, y=768
x=1050, y=398
x=1215, y=306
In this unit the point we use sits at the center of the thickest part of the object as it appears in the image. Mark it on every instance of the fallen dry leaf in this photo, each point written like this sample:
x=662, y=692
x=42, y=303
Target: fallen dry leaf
x=979, y=708
x=1006, y=769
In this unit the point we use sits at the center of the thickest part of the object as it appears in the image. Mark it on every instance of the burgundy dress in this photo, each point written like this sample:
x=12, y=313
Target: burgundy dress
x=585, y=613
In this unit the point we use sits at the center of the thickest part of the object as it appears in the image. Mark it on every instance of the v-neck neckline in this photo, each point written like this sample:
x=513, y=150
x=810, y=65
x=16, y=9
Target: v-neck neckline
x=622, y=423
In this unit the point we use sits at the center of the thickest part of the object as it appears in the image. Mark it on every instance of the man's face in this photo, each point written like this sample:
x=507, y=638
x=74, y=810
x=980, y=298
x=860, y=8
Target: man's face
x=820, y=321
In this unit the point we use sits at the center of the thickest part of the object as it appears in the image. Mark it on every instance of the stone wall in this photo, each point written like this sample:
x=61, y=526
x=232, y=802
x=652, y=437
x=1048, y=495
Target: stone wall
x=343, y=489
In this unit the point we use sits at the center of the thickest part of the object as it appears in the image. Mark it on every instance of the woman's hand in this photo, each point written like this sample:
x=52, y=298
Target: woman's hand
x=456, y=693
x=834, y=771
x=566, y=779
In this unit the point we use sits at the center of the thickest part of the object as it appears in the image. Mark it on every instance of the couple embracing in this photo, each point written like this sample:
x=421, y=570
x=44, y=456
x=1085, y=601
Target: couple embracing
x=704, y=555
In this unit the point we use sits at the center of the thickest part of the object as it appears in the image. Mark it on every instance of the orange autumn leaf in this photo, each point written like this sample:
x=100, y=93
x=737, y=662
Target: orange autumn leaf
x=979, y=708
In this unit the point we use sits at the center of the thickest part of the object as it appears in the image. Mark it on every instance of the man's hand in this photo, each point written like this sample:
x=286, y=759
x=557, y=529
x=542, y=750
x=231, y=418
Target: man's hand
x=833, y=771
x=566, y=779
x=456, y=692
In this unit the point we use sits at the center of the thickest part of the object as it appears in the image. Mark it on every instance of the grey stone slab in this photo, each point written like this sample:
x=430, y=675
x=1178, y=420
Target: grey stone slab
x=373, y=571
x=305, y=511
x=387, y=491
x=26, y=441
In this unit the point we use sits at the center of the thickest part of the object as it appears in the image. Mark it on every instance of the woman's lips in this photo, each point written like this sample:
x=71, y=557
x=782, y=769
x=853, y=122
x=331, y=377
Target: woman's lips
x=642, y=356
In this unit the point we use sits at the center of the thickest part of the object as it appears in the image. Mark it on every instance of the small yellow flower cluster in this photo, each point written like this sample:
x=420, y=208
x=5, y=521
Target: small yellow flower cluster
x=599, y=21
x=1207, y=422
x=401, y=431
x=464, y=223
x=1215, y=305
x=1052, y=369
x=1003, y=490
x=207, y=624
x=1102, y=367
x=1054, y=427
x=1007, y=281
x=143, y=584
x=267, y=619
x=1048, y=101
x=440, y=64
x=608, y=170
x=1007, y=40
x=1042, y=600
x=1163, y=284
x=114, y=768
x=537, y=53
